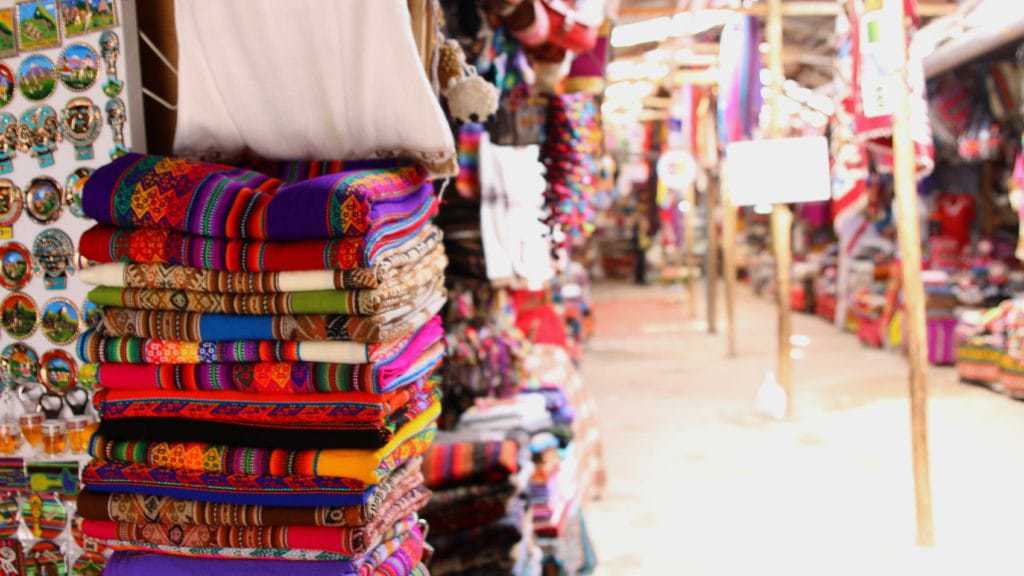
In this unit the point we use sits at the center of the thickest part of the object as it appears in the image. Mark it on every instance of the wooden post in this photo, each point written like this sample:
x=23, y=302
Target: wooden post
x=913, y=292
x=690, y=237
x=782, y=219
x=729, y=263
x=711, y=259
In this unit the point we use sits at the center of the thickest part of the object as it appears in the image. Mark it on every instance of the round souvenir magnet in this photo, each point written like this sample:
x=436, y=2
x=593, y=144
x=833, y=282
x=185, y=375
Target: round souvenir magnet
x=19, y=315
x=78, y=66
x=53, y=254
x=44, y=514
x=91, y=315
x=11, y=202
x=45, y=559
x=81, y=121
x=6, y=85
x=89, y=564
x=19, y=364
x=57, y=370
x=74, y=184
x=8, y=516
x=44, y=200
x=15, y=265
x=60, y=321
x=37, y=77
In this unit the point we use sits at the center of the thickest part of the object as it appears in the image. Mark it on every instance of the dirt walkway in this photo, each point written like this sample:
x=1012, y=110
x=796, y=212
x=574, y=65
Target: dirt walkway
x=699, y=483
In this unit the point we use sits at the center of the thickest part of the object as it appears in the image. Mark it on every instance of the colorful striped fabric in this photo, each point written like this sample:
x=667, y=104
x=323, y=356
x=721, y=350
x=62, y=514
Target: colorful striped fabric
x=369, y=466
x=462, y=463
x=96, y=347
x=423, y=262
x=103, y=243
x=262, y=377
x=196, y=326
x=207, y=199
x=404, y=483
x=327, y=411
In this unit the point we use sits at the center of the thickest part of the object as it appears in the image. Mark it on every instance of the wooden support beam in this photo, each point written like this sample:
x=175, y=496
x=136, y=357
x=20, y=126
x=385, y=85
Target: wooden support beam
x=711, y=258
x=782, y=218
x=907, y=226
x=729, y=265
x=690, y=239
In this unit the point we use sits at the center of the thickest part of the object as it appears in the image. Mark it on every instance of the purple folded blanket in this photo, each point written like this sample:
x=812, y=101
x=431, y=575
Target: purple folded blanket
x=215, y=200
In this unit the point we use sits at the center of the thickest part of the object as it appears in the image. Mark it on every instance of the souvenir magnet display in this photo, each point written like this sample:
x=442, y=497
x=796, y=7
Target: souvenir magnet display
x=6, y=85
x=73, y=186
x=91, y=314
x=44, y=200
x=19, y=364
x=38, y=25
x=110, y=50
x=39, y=134
x=60, y=321
x=78, y=66
x=37, y=77
x=58, y=370
x=15, y=265
x=85, y=16
x=19, y=315
x=81, y=121
x=8, y=141
x=53, y=253
x=116, y=118
x=8, y=24
x=11, y=202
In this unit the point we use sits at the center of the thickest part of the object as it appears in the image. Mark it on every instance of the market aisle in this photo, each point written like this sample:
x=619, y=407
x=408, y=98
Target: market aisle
x=699, y=483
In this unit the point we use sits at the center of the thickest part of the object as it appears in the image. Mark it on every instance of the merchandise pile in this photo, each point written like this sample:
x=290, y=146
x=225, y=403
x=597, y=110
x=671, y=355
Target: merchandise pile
x=265, y=364
x=477, y=516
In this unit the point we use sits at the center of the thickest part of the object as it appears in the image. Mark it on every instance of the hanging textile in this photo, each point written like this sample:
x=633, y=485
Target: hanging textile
x=875, y=68
x=333, y=95
x=739, y=84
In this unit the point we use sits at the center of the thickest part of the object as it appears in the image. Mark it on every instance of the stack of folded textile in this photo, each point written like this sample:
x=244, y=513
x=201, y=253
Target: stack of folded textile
x=477, y=516
x=264, y=365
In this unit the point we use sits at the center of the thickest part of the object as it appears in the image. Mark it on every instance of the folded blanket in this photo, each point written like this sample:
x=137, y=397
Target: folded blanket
x=377, y=563
x=394, y=301
x=471, y=506
x=463, y=463
x=424, y=251
x=369, y=466
x=346, y=541
x=208, y=199
x=289, y=491
x=156, y=246
x=393, y=540
x=327, y=411
x=141, y=508
x=302, y=327
x=96, y=346
x=264, y=377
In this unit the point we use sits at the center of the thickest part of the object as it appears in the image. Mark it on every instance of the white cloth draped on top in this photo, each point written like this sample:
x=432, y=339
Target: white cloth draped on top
x=305, y=80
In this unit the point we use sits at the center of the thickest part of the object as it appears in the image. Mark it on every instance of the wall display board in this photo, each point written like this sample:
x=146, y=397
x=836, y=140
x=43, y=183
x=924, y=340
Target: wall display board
x=70, y=101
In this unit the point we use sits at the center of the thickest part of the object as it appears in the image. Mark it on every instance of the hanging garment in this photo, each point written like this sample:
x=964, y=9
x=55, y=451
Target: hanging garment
x=305, y=79
x=511, y=208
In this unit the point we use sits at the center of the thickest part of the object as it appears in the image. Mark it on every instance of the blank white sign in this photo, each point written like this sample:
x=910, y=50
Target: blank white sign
x=778, y=171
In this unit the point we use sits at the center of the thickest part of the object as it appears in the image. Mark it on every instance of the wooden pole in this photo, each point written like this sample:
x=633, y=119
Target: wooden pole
x=782, y=219
x=690, y=237
x=913, y=292
x=711, y=258
x=729, y=263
